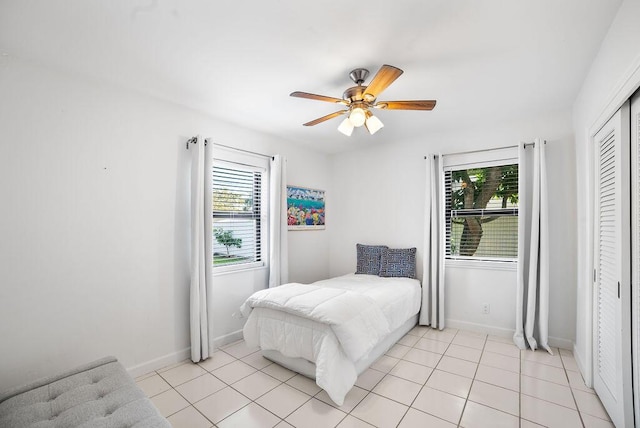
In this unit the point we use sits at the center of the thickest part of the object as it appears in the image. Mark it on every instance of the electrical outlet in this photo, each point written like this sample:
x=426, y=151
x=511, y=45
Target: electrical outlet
x=486, y=308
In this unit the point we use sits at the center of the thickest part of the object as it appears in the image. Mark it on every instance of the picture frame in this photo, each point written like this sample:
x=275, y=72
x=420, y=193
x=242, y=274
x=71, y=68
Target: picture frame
x=305, y=208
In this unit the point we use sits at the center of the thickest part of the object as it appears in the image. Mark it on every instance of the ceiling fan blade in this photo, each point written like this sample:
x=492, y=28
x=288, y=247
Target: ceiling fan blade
x=406, y=105
x=327, y=117
x=383, y=78
x=318, y=97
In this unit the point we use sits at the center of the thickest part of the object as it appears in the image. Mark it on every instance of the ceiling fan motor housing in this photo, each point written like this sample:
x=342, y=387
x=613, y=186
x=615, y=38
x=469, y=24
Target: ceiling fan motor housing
x=359, y=75
x=354, y=94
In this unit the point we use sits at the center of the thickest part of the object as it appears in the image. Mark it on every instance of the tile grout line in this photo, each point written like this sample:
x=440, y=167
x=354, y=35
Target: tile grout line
x=259, y=405
x=521, y=358
x=473, y=380
x=565, y=371
x=571, y=389
x=251, y=400
x=552, y=402
x=421, y=388
x=183, y=397
x=227, y=385
x=519, y=386
x=429, y=377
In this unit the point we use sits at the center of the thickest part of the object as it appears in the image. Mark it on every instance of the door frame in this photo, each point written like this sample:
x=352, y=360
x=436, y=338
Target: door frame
x=626, y=87
x=635, y=247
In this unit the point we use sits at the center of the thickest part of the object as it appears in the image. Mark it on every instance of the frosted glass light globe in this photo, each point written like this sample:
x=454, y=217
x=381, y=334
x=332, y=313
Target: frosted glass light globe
x=346, y=127
x=357, y=117
x=373, y=124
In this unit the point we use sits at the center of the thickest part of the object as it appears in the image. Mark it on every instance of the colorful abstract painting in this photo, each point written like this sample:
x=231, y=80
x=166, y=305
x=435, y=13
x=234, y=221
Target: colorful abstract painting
x=305, y=208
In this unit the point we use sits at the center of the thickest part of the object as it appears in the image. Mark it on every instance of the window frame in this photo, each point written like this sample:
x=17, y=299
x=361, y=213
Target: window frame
x=244, y=163
x=476, y=160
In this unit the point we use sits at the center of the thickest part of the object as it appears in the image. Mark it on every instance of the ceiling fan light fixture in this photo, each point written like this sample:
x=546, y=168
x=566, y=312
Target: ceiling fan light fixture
x=360, y=99
x=357, y=117
x=373, y=124
x=346, y=127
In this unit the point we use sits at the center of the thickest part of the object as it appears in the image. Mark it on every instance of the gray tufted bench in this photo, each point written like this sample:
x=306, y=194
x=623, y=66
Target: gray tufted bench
x=98, y=394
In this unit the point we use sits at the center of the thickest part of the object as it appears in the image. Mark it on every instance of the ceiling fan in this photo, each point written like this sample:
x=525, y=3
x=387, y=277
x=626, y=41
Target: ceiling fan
x=359, y=100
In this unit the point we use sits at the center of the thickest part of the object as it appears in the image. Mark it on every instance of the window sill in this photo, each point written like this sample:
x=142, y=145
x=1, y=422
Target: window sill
x=481, y=264
x=226, y=270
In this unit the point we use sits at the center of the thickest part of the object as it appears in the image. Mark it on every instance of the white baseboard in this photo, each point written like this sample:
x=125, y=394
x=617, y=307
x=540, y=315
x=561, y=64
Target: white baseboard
x=219, y=342
x=584, y=371
x=159, y=362
x=479, y=328
x=176, y=357
x=556, y=342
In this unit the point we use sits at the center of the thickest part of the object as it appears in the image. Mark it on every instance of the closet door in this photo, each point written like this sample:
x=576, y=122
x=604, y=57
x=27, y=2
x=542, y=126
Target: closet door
x=635, y=247
x=612, y=292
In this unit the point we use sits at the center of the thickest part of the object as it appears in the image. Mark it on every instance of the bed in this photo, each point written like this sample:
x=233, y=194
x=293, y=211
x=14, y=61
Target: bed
x=332, y=330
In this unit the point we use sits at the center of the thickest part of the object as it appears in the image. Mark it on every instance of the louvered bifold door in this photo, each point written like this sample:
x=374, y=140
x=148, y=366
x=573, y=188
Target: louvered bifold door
x=612, y=350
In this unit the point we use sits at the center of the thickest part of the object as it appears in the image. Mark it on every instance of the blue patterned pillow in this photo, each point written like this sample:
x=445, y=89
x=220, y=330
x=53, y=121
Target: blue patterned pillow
x=396, y=262
x=369, y=259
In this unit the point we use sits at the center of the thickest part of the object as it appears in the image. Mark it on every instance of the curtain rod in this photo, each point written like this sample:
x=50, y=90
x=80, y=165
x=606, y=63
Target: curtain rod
x=243, y=150
x=488, y=150
x=193, y=140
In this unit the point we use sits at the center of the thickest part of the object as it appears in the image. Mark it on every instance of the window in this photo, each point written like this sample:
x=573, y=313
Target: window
x=237, y=215
x=482, y=212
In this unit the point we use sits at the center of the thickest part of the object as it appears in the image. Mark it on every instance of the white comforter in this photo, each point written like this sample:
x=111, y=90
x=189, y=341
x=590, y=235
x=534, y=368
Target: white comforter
x=333, y=323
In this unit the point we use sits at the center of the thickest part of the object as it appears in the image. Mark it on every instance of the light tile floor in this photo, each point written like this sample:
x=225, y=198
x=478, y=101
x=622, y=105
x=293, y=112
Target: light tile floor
x=429, y=378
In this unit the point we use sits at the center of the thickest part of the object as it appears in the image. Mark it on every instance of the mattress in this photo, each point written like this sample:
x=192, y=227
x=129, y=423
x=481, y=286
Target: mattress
x=332, y=323
x=308, y=368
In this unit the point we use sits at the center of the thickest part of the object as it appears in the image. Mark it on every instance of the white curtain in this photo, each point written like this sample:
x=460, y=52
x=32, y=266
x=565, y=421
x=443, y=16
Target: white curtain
x=532, y=305
x=278, y=254
x=201, y=321
x=432, y=311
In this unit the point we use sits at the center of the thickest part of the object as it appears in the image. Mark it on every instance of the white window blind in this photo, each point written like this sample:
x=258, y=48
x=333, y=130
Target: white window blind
x=481, y=211
x=237, y=209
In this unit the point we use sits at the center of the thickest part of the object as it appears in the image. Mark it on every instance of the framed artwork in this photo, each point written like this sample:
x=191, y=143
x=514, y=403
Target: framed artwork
x=305, y=208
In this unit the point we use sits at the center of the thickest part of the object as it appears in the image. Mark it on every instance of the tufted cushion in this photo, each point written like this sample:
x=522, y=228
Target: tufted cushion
x=368, y=259
x=100, y=394
x=396, y=262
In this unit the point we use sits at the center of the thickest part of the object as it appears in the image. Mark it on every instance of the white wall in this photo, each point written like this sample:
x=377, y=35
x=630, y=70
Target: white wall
x=470, y=287
x=379, y=199
x=611, y=79
x=94, y=223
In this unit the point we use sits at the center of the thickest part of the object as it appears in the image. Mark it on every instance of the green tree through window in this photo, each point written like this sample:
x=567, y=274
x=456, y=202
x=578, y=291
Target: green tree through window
x=479, y=197
x=236, y=211
x=225, y=237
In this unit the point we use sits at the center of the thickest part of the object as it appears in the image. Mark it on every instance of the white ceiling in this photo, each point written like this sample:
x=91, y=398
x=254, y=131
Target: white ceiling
x=239, y=60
